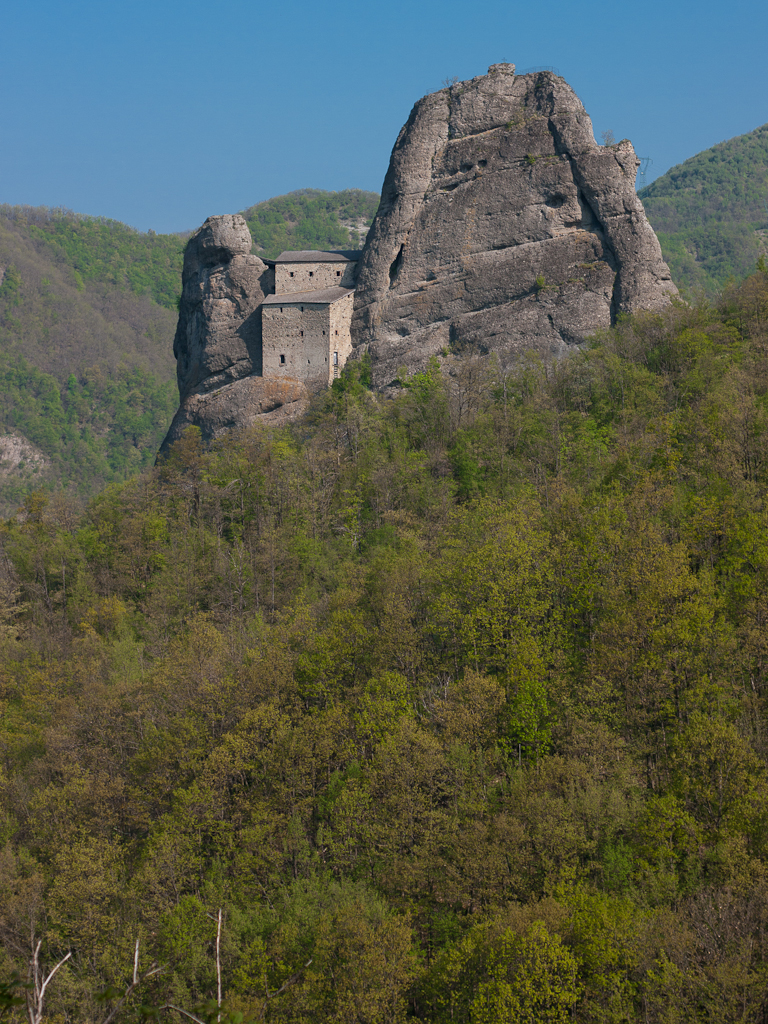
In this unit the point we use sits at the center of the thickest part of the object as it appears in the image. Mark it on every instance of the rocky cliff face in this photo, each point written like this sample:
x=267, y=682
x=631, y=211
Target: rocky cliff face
x=502, y=226
x=218, y=337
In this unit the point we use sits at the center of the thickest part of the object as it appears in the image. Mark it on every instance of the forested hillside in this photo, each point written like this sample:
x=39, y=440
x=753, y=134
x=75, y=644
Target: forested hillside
x=311, y=219
x=86, y=362
x=87, y=317
x=707, y=211
x=453, y=703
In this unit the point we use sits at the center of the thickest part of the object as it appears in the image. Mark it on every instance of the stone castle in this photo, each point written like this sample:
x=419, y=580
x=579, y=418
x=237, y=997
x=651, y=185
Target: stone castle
x=306, y=323
x=503, y=227
x=256, y=337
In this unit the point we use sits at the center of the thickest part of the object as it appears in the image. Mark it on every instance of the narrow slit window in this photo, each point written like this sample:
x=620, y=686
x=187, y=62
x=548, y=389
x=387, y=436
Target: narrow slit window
x=290, y=272
x=301, y=333
x=311, y=273
x=282, y=360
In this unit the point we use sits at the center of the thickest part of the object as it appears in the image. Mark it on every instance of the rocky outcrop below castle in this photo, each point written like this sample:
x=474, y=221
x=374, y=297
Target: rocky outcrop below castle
x=502, y=227
x=218, y=343
x=237, y=405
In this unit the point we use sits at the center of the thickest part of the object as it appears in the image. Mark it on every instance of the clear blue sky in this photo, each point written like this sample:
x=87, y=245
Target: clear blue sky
x=161, y=112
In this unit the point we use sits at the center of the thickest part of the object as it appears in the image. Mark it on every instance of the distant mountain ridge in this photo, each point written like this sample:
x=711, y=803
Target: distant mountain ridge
x=710, y=212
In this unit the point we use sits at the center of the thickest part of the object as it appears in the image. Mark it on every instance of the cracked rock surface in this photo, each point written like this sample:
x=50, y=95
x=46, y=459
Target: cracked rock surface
x=502, y=227
x=218, y=336
x=238, y=405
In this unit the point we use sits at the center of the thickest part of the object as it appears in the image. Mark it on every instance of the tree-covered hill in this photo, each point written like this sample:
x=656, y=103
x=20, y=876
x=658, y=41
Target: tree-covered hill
x=311, y=219
x=107, y=251
x=87, y=317
x=444, y=706
x=706, y=212
x=86, y=362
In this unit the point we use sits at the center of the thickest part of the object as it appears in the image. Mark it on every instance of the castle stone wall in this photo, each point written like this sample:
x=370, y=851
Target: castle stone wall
x=308, y=341
x=308, y=277
x=341, y=333
x=296, y=342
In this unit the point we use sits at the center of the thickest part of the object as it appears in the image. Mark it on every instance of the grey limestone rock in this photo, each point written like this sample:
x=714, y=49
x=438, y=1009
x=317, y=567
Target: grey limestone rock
x=502, y=227
x=218, y=345
x=238, y=405
x=218, y=337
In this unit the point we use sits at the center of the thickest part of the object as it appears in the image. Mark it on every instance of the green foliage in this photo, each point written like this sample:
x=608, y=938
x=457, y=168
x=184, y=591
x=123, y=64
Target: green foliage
x=9, y=289
x=99, y=249
x=311, y=219
x=452, y=701
x=10, y=996
x=92, y=431
x=530, y=978
x=706, y=210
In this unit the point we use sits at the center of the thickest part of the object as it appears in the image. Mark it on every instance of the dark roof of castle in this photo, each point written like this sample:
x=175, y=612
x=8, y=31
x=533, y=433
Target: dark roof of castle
x=318, y=256
x=322, y=295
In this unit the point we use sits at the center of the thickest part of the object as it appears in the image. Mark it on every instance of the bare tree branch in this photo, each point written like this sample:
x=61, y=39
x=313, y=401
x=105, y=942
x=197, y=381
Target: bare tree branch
x=36, y=997
x=286, y=984
x=178, y=1009
x=138, y=979
x=218, y=967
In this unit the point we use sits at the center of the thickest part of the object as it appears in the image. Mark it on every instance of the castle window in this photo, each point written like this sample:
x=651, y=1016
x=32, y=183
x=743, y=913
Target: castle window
x=281, y=309
x=290, y=272
x=335, y=358
x=311, y=273
x=338, y=273
x=282, y=360
x=307, y=362
x=323, y=332
x=301, y=333
x=337, y=332
x=302, y=310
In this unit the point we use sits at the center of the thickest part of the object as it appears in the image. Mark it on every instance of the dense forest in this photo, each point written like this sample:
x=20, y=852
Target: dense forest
x=446, y=705
x=711, y=212
x=87, y=317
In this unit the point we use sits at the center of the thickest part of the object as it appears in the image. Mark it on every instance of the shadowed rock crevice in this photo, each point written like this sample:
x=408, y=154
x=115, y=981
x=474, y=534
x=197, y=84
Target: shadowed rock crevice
x=397, y=262
x=502, y=225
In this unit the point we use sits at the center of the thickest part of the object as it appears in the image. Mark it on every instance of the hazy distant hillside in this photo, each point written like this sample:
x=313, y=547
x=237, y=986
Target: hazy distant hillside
x=311, y=219
x=87, y=317
x=707, y=211
x=98, y=249
x=86, y=362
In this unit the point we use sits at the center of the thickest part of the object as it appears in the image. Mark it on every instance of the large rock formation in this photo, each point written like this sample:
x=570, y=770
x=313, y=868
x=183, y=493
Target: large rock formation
x=503, y=226
x=218, y=337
